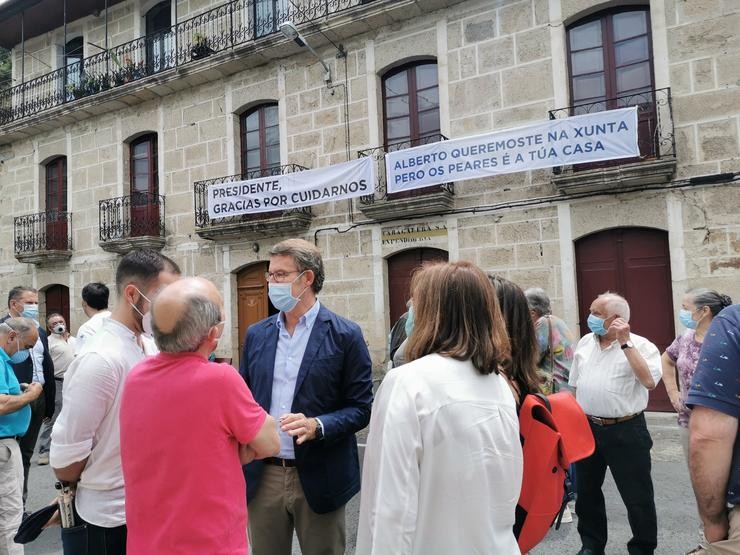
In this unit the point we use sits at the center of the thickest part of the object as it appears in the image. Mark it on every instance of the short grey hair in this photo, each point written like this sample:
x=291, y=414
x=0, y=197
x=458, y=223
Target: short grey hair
x=307, y=256
x=616, y=305
x=200, y=314
x=701, y=296
x=538, y=300
x=20, y=325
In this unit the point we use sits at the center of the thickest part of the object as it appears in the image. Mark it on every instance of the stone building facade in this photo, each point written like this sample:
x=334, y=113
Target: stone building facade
x=498, y=64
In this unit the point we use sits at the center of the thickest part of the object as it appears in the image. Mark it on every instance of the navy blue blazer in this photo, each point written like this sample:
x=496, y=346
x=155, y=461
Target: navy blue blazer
x=335, y=384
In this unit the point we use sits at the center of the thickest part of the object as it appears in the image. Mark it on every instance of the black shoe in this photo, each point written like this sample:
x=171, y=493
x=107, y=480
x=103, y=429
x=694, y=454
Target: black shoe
x=588, y=551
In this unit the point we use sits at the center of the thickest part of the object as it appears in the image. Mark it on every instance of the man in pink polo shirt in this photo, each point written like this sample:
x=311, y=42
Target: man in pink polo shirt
x=187, y=426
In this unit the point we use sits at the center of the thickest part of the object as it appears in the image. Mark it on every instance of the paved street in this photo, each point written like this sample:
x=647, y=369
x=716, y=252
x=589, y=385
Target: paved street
x=677, y=519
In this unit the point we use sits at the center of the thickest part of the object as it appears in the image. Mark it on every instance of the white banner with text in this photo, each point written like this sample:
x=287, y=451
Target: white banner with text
x=292, y=190
x=560, y=142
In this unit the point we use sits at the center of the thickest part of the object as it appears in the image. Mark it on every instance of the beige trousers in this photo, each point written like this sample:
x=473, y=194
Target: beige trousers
x=279, y=507
x=730, y=546
x=11, y=496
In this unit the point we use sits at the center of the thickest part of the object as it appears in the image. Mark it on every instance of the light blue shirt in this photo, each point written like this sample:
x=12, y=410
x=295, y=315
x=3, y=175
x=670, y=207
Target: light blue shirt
x=16, y=423
x=288, y=359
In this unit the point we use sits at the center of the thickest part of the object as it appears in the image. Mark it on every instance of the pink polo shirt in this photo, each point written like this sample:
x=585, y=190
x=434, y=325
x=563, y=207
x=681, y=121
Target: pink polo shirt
x=182, y=419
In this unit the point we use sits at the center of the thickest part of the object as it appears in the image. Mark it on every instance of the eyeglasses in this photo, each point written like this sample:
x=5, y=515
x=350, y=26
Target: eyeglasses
x=279, y=276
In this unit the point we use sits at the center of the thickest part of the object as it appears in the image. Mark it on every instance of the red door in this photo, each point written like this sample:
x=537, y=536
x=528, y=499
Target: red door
x=56, y=204
x=633, y=262
x=401, y=268
x=145, y=220
x=57, y=300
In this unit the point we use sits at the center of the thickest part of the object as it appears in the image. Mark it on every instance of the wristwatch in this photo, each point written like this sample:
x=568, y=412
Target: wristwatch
x=319, y=430
x=627, y=345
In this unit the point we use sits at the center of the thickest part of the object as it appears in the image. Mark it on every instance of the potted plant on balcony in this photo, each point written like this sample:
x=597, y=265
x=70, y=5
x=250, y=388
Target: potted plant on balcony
x=200, y=47
x=127, y=71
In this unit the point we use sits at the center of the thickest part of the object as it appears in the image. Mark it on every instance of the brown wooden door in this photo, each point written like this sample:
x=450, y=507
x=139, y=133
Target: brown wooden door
x=634, y=262
x=56, y=204
x=57, y=300
x=252, y=300
x=401, y=268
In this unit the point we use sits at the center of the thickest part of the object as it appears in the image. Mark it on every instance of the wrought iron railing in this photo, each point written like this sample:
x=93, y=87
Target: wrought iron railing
x=228, y=25
x=138, y=215
x=381, y=190
x=200, y=197
x=44, y=231
x=655, y=133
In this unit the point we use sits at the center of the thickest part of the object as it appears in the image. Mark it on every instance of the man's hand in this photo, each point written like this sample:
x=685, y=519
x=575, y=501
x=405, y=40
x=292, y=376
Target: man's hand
x=55, y=520
x=622, y=330
x=299, y=427
x=33, y=390
x=717, y=531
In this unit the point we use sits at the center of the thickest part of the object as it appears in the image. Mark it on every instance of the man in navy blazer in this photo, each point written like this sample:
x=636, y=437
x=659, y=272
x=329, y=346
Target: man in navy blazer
x=311, y=370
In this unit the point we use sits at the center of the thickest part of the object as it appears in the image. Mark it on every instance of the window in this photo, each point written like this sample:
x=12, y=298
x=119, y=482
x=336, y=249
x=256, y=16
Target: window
x=56, y=204
x=145, y=217
x=73, y=66
x=269, y=15
x=56, y=185
x=610, y=57
x=611, y=66
x=411, y=104
x=144, y=179
x=159, y=42
x=260, y=139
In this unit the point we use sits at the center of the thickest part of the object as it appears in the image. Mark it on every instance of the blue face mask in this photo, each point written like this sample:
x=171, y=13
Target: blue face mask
x=30, y=310
x=596, y=325
x=409, y=326
x=686, y=320
x=21, y=355
x=281, y=295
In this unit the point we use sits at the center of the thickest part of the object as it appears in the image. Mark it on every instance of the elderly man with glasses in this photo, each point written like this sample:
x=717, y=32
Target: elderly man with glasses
x=17, y=337
x=311, y=370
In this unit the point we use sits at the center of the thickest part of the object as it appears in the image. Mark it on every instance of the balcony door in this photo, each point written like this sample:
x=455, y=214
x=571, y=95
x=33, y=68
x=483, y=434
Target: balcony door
x=252, y=300
x=73, y=68
x=401, y=268
x=269, y=15
x=56, y=204
x=634, y=262
x=611, y=66
x=159, y=38
x=144, y=187
x=260, y=141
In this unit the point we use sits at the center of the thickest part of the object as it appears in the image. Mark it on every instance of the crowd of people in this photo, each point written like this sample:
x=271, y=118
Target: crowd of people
x=169, y=452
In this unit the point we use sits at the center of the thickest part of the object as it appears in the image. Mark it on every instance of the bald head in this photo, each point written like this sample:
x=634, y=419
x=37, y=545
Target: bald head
x=183, y=314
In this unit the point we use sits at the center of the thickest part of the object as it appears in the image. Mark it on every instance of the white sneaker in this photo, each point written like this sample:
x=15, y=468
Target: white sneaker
x=43, y=460
x=567, y=517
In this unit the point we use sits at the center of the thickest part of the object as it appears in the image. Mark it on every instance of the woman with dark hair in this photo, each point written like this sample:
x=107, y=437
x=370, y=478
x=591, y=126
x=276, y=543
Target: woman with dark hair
x=443, y=462
x=519, y=326
x=698, y=309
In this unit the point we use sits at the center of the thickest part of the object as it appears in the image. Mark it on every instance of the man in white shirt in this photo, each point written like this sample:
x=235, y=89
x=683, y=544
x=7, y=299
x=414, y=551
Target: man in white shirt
x=612, y=372
x=85, y=446
x=95, y=306
x=62, y=350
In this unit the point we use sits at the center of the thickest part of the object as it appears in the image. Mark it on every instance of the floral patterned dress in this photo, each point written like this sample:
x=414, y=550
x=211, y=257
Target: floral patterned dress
x=684, y=352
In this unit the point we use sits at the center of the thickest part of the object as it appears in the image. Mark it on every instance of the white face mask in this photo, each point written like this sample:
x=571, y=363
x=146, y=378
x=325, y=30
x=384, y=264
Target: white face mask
x=146, y=319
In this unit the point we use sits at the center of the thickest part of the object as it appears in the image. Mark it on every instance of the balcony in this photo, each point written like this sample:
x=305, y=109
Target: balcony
x=131, y=222
x=437, y=199
x=230, y=38
x=655, y=138
x=43, y=238
x=248, y=226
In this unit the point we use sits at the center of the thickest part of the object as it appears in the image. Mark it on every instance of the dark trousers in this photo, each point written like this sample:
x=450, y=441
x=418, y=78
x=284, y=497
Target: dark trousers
x=28, y=442
x=625, y=449
x=89, y=539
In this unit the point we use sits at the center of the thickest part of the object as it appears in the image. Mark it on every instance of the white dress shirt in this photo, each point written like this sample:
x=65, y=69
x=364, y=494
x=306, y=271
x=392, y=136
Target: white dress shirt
x=443, y=463
x=62, y=353
x=606, y=386
x=90, y=328
x=288, y=359
x=88, y=424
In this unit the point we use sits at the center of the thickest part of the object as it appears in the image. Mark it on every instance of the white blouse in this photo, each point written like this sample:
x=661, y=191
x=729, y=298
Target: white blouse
x=443, y=463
